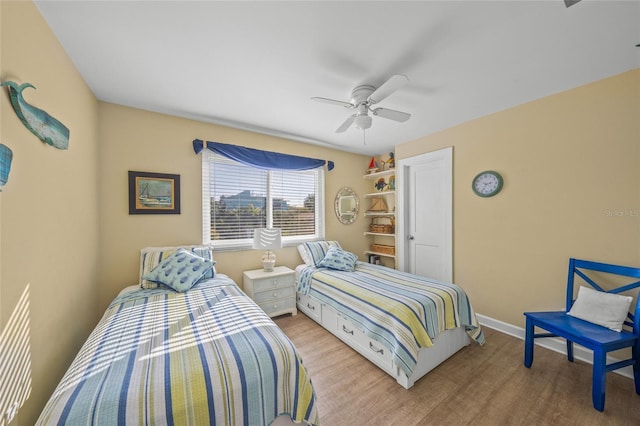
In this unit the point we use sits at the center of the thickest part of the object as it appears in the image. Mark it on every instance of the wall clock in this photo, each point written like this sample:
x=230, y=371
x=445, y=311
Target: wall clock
x=487, y=183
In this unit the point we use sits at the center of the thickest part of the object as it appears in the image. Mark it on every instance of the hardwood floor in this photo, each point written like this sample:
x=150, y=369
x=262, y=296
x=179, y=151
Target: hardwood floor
x=480, y=385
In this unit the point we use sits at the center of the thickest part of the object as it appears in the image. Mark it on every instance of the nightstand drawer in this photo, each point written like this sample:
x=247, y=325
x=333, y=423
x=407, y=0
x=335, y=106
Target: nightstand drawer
x=276, y=293
x=279, y=306
x=263, y=284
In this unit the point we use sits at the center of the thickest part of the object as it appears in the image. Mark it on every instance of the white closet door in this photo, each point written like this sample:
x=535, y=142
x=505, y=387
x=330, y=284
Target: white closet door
x=425, y=208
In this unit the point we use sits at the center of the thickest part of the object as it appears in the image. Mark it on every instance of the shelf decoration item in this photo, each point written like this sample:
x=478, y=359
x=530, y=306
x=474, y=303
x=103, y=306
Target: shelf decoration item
x=45, y=127
x=379, y=227
x=380, y=184
x=384, y=249
x=6, y=156
x=392, y=183
x=373, y=166
x=378, y=205
x=269, y=239
x=390, y=162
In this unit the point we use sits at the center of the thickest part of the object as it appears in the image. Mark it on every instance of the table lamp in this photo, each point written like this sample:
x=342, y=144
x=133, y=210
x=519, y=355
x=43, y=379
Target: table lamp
x=269, y=239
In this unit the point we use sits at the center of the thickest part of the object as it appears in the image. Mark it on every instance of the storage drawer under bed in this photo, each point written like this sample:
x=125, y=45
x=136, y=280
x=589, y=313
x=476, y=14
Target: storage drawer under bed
x=310, y=306
x=368, y=347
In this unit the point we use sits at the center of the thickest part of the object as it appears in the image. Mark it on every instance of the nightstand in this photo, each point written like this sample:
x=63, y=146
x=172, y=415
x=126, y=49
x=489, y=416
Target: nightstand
x=274, y=292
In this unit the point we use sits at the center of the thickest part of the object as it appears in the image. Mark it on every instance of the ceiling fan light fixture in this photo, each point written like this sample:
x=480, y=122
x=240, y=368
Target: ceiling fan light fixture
x=362, y=97
x=362, y=122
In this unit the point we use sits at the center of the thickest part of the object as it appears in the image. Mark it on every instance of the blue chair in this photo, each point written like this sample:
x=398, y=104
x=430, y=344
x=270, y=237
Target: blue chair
x=599, y=339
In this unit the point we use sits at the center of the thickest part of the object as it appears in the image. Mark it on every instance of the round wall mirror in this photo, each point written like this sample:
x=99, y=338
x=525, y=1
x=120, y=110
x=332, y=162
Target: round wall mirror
x=346, y=205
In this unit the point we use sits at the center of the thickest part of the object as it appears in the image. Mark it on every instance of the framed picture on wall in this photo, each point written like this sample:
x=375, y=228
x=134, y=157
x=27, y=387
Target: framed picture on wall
x=154, y=193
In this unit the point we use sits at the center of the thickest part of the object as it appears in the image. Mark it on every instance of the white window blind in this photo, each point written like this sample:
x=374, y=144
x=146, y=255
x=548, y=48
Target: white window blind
x=237, y=198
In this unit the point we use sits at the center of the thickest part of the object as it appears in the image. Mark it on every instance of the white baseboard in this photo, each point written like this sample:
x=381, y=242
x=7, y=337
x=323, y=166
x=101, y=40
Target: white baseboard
x=554, y=343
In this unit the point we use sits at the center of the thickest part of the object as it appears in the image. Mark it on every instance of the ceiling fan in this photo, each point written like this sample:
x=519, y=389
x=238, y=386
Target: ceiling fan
x=362, y=100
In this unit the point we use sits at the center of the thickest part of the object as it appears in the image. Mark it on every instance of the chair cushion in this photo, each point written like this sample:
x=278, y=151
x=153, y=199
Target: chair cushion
x=605, y=309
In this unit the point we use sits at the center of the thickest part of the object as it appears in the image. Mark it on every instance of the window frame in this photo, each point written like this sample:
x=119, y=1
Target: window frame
x=208, y=157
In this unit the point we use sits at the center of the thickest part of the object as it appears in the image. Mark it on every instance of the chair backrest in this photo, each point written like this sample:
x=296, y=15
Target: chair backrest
x=579, y=267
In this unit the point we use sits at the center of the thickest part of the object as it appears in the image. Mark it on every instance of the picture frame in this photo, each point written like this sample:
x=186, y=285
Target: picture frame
x=154, y=193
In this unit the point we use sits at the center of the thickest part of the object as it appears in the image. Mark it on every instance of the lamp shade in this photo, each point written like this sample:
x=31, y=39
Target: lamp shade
x=267, y=238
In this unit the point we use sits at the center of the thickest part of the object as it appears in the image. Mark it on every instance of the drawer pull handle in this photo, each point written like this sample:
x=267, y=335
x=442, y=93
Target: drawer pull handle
x=373, y=348
x=312, y=307
x=275, y=294
x=347, y=330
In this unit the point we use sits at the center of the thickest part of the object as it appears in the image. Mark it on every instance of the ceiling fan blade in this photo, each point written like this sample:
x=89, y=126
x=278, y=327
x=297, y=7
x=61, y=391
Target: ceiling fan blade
x=333, y=102
x=347, y=123
x=388, y=87
x=392, y=114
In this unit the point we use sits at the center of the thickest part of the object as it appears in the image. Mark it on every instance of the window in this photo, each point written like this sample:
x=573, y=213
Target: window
x=237, y=198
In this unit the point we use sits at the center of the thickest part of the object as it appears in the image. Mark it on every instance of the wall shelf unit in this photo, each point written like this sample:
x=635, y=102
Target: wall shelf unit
x=381, y=233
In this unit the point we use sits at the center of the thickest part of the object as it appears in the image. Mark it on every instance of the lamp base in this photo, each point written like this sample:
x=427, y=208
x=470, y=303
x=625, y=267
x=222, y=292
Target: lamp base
x=268, y=261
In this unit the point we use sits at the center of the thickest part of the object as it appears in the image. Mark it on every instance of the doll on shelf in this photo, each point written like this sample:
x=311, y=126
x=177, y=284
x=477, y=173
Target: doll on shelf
x=390, y=163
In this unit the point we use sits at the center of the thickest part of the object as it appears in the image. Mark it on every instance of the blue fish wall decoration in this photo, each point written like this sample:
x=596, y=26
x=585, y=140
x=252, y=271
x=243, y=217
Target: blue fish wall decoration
x=6, y=155
x=45, y=127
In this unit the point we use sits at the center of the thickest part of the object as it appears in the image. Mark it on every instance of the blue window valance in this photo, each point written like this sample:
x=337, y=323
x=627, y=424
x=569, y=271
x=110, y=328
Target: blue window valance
x=261, y=159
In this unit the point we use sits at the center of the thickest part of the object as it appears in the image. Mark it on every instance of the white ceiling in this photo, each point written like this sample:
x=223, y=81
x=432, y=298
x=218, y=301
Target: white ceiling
x=255, y=65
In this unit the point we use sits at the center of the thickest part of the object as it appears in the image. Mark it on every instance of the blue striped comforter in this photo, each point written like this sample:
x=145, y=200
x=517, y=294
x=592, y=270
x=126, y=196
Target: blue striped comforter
x=402, y=311
x=207, y=356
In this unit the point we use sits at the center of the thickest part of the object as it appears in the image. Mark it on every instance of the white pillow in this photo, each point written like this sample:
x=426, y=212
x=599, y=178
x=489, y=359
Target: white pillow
x=304, y=254
x=605, y=309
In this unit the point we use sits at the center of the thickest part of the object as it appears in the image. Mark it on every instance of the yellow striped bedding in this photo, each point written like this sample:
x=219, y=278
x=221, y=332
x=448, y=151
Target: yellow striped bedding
x=209, y=356
x=402, y=311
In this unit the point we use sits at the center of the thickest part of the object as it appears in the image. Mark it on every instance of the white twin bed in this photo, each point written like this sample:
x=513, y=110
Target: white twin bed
x=403, y=323
x=206, y=354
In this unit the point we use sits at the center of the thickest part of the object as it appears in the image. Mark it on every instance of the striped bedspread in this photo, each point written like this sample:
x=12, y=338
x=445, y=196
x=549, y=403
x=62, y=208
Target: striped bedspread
x=402, y=311
x=207, y=356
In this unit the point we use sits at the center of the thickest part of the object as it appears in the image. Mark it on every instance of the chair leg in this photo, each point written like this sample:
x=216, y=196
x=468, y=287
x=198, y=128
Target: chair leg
x=570, y=350
x=599, y=379
x=635, y=353
x=528, y=343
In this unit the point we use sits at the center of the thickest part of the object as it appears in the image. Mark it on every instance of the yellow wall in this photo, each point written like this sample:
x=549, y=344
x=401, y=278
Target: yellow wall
x=572, y=189
x=569, y=163
x=49, y=210
x=66, y=231
x=132, y=139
